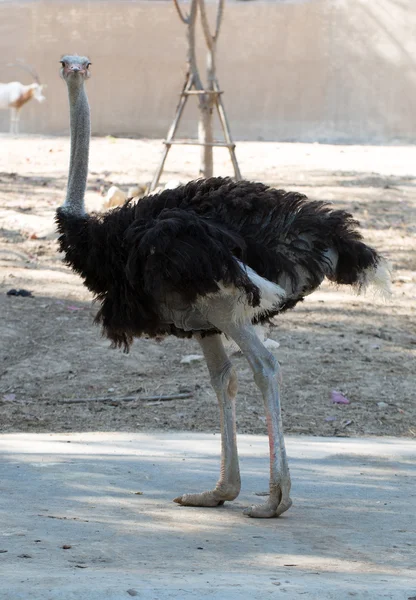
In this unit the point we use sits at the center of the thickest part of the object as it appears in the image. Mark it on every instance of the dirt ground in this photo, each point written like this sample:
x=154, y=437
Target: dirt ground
x=51, y=352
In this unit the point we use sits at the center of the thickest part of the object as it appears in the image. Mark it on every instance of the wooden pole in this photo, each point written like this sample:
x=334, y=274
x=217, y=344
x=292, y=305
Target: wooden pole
x=209, y=96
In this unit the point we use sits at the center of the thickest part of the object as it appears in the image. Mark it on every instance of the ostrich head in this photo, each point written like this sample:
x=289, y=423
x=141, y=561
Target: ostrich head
x=75, y=68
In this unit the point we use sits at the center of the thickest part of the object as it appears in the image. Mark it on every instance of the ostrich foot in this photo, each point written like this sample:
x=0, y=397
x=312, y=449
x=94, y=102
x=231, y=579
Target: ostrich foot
x=208, y=499
x=278, y=502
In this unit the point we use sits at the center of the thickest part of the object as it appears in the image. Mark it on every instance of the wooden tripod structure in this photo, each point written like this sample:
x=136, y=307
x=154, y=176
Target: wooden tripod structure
x=209, y=97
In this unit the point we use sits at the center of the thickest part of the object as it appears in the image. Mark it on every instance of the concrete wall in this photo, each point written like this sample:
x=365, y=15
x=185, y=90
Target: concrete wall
x=326, y=70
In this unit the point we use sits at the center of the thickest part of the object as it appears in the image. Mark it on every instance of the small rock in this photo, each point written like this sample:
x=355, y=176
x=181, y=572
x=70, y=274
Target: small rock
x=136, y=191
x=382, y=404
x=271, y=344
x=172, y=184
x=24, y=556
x=23, y=293
x=66, y=547
x=191, y=358
x=114, y=197
x=132, y=592
x=385, y=336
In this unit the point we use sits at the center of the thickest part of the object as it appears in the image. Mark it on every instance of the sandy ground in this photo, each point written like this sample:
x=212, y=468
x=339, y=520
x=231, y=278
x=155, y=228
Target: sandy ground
x=51, y=352
x=89, y=516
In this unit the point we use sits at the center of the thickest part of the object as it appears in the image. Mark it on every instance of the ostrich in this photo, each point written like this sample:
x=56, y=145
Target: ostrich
x=208, y=258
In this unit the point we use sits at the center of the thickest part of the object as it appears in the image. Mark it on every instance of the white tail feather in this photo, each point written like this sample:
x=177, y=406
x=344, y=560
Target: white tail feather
x=378, y=278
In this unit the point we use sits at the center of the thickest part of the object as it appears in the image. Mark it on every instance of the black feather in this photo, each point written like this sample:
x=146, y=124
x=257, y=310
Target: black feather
x=184, y=241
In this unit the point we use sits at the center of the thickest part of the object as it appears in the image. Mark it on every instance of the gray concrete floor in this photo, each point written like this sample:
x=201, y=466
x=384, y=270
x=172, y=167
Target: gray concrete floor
x=350, y=532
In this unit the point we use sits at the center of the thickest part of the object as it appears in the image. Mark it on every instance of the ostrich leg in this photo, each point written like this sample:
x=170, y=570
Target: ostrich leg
x=224, y=382
x=266, y=375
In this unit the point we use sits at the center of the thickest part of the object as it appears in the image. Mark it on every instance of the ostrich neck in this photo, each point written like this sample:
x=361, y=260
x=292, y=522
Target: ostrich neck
x=80, y=143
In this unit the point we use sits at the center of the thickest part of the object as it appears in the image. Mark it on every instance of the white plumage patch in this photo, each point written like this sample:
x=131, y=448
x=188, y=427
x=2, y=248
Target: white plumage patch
x=378, y=277
x=235, y=302
x=271, y=293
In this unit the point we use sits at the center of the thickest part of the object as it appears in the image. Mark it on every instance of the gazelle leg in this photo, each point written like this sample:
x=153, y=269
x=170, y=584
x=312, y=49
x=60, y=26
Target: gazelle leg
x=224, y=382
x=14, y=121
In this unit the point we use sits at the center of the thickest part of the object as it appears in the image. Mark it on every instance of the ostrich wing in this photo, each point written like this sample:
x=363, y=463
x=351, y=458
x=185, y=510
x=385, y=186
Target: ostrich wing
x=183, y=254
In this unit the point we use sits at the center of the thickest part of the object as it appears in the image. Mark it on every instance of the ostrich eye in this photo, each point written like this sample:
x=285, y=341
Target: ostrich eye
x=87, y=65
x=62, y=63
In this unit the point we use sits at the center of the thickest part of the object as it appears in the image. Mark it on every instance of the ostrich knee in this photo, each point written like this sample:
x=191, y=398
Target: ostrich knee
x=266, y=371
x=225, y=380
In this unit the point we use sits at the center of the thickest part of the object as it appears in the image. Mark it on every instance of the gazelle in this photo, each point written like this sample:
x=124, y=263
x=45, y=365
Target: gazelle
x=14, y=95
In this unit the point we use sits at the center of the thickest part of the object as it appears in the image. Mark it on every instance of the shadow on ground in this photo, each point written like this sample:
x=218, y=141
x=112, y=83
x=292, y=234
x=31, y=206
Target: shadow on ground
x=108, y=497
